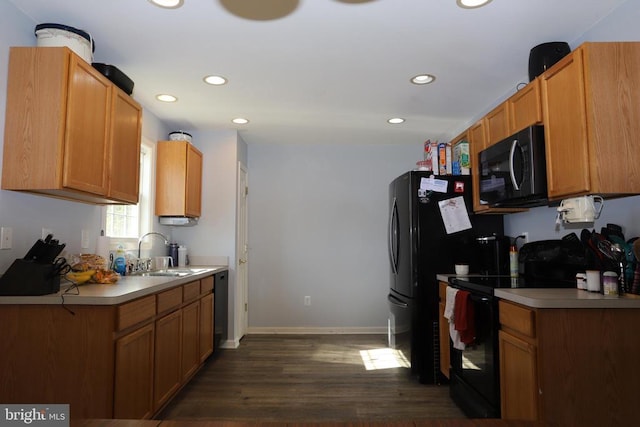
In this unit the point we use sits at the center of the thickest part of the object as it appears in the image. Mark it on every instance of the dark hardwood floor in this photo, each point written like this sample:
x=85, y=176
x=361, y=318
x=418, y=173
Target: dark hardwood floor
x=306, y=378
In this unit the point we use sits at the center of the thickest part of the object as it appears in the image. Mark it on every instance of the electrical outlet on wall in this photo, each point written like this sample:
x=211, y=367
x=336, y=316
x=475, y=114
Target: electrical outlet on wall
x=307, y=300
x=525, y=238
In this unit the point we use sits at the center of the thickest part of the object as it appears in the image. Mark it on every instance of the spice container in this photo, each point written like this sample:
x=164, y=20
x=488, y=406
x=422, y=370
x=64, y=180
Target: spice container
x=609, y=283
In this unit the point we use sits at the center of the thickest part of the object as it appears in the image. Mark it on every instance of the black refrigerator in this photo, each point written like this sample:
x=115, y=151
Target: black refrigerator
x=431, y=228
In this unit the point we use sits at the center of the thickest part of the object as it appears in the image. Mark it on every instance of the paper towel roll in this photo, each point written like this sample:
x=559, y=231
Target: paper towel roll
x=102, y=247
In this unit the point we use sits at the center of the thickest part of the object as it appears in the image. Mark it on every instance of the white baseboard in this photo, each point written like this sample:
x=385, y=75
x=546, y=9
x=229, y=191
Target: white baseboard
x=316, y=330
x=230, y=344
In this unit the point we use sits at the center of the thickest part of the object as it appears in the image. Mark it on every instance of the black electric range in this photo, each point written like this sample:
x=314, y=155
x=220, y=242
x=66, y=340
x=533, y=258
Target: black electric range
x=487, y=284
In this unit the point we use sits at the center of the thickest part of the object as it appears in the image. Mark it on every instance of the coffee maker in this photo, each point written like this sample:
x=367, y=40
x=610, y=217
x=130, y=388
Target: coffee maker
x=493, y=254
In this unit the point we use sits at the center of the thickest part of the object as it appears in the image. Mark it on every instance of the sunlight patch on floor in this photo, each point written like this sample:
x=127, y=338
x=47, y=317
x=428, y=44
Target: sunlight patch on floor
x=383, y=358
x=468, y=364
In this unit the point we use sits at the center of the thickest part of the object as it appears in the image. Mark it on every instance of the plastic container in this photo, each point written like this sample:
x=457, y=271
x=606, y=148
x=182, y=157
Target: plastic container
x=116, y=76
x=179, y=136
x=513, y=261
x=423, y=165
x=57, y=35
x=182, y=256
x=609, y=283
x=173, y=253
x=120, y=261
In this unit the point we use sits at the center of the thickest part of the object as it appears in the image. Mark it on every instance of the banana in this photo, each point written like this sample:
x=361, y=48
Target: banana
x=80, y=277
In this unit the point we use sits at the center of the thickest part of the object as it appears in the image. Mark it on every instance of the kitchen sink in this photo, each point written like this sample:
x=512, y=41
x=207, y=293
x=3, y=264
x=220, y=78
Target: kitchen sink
x=180, y=272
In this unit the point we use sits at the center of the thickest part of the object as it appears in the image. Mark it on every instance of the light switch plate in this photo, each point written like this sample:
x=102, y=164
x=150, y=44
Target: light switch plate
x=6, y=237
x=84, y=240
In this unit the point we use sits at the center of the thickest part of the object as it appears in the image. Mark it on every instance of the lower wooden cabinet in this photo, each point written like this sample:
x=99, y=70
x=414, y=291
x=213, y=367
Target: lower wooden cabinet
x=518, y=377
x=167, y=373
x=205, y=342
x=133, y=394
x=190, y=337
x=107, y=361
x=569, y=366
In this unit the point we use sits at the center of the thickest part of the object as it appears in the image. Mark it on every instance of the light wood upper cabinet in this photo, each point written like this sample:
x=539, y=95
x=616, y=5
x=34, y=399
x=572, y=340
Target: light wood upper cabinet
x=525, y=107
x=592, y=119
x=126, y=135
x=477, y=143
x=69, y=131
x=497, y=123
x=522, y=109
x=178, y=179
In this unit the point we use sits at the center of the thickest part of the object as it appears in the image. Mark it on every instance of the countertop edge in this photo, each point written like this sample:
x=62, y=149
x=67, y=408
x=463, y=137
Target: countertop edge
x=564, y=298
x=130, y=287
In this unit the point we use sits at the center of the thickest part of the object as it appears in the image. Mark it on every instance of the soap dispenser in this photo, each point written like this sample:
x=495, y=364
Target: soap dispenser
x=120, y=262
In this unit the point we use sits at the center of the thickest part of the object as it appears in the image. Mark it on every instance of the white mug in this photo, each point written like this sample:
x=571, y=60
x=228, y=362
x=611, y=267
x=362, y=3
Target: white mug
x=581, y=209
x=593, y=280
x=163, y=262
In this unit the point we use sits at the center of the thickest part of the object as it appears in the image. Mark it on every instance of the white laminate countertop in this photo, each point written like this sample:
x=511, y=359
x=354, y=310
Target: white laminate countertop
x=560, y=297
x=565, y=298
x=125, y=289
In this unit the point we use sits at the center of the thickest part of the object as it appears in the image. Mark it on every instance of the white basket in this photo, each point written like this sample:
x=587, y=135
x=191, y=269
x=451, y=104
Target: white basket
x=56, y=37
x=179, y=136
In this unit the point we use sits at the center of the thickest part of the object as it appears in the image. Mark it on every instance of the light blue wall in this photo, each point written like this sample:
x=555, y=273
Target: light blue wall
x=317, y=227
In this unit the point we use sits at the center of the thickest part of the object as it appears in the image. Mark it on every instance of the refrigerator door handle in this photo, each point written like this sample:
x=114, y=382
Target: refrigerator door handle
x=395, y=301
x=393, y=237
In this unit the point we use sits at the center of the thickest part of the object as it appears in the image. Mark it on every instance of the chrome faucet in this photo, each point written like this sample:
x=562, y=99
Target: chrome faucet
x=166, y=241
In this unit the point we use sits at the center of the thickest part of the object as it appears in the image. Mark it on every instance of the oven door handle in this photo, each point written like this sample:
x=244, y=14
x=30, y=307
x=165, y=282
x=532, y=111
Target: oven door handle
x=479, y=299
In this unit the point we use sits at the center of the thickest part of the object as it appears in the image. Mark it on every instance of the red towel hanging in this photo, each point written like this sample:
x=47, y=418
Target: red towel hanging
x=464, y=317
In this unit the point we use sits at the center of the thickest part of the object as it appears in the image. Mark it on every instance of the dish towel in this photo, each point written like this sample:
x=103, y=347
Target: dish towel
x=464, y=317
x=449, y=310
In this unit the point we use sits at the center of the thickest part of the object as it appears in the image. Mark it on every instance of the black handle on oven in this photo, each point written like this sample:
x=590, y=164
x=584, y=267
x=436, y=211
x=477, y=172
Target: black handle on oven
x=477, y=298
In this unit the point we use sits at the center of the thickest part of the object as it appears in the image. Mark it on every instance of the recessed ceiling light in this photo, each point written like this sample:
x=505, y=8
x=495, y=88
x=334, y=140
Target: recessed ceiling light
x=215, y=80
x=472, y=4
x=166, y=98
x=240, y=121
x=422, y=79
x=168, y=4
x=396, y=120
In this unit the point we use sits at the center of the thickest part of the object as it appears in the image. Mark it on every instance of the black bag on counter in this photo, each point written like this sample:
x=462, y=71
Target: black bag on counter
x=26, y=277
x=552, y=263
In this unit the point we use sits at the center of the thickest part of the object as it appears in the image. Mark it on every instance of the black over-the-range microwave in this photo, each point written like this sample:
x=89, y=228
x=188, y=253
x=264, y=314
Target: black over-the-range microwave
x=513, y=172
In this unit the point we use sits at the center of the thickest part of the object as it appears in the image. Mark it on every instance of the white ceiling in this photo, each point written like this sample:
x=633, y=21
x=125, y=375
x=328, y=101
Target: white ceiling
x=331, y=70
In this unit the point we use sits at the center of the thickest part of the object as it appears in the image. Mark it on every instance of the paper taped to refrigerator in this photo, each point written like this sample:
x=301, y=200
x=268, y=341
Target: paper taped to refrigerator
x=454, y=215
x=432, y=184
